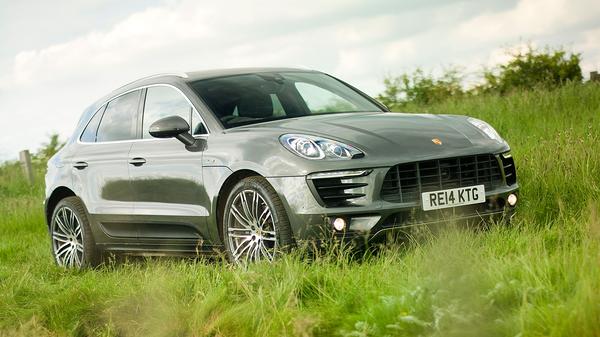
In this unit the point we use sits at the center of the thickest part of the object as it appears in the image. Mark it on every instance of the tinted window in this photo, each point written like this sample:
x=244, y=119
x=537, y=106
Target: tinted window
x=89, y=133
x=320, y=100
x=254, y=98
x=162, y=101
x=198, y=127
x=120, y=118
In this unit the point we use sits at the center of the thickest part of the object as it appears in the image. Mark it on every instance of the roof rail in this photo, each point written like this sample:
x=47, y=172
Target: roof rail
x=182, y=75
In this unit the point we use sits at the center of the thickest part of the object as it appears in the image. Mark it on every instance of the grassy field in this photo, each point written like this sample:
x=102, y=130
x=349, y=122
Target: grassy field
x=540, y=276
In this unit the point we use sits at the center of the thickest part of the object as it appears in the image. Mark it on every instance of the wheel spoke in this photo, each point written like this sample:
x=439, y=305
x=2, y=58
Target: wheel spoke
x=250, y=255
x=272, y=233
x=241, y=248
x=62, y=249
x=65, y=221
x=239, y=217
x=255, y=205
x=61, y=225
x=265, y=251
x=264, y=216
x=257, y=252
x=62, y=255
x=234, y=229
x=71, y=257
x=78, y=230
x=77, y=258
x=246, y=207
x=72, y=220
x=59, y=234
x=240, y=236
x=59, y=238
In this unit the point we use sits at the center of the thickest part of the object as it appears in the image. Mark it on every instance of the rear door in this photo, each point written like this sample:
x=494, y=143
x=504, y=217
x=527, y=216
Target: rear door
x=101, y=169
x=170, y=202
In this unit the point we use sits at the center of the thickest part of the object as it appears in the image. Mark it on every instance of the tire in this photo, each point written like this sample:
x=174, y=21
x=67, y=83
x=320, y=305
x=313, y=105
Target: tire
x=71, y=237
x=255, y=225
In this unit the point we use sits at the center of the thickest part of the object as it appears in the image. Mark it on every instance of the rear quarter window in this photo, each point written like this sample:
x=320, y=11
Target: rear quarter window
x=119, y=121
x=89, y=133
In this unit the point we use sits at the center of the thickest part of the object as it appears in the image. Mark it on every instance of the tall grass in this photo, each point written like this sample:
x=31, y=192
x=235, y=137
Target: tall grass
x=539, y=276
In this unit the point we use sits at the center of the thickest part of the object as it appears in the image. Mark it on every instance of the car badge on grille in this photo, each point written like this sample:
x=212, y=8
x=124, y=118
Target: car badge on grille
x=436, y=141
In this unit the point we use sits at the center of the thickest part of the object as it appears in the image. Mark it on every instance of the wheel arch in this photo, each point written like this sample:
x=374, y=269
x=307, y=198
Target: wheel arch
x=57, y=195
x=226, y=187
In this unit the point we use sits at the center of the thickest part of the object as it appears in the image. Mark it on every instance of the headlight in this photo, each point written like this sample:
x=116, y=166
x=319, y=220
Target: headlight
x=312, y=147
x=486, y=128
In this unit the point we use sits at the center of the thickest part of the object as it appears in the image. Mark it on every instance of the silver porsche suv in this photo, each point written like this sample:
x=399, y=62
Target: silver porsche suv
x=248, y=162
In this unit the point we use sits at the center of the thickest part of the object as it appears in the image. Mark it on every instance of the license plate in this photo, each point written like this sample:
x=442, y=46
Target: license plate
x=453, y=197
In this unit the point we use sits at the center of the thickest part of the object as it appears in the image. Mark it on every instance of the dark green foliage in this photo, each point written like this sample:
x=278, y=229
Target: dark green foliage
x=532, y=68
x=529, y=69
x=421, y=88
x=48, y=149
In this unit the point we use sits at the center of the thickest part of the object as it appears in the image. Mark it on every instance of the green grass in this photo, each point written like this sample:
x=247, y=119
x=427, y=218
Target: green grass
x=540, y=276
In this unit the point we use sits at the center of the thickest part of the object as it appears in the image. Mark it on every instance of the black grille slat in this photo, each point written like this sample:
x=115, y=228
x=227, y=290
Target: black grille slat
x=337, y=191
x=342, y=186
x=510, y=172
x=406, y=182
x=343, y=197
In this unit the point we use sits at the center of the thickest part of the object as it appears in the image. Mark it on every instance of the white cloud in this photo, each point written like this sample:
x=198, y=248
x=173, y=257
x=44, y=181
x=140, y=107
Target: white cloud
x=530, y=18
x=47, y=88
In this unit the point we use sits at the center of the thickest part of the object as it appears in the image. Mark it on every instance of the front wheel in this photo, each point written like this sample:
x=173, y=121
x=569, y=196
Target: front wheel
x=255, y=225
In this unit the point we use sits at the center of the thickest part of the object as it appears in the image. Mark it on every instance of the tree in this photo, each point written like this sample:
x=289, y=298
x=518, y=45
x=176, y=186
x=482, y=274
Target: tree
x=532, y=68
x=420, y=88
x=49, y=149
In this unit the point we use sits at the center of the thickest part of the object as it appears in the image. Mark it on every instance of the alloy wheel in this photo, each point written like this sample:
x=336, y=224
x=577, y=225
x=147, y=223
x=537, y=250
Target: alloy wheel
x=251, y=228
x=67, y=238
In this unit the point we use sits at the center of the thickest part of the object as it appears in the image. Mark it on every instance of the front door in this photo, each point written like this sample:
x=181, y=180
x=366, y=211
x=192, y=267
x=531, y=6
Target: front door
x=170, y=203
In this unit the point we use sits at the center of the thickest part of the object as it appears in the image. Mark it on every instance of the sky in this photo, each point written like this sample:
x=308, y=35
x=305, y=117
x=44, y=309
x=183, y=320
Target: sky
x=58, y=57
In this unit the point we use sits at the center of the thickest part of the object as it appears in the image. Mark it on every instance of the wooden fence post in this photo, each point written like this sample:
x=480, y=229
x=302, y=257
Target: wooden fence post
x=25, y=159
x=594, y=76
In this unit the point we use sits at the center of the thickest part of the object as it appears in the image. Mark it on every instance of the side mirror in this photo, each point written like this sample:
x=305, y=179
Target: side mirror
x=172, y=127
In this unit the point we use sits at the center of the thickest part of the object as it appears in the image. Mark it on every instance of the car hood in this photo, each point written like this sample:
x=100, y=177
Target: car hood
x=392, y=134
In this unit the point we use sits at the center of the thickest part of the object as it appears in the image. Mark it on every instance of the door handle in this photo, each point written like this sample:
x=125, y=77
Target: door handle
x=80, y=165
x=137, y=161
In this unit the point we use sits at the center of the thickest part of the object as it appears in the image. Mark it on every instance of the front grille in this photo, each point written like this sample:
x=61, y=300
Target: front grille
x=406, y=182
x=335, y=192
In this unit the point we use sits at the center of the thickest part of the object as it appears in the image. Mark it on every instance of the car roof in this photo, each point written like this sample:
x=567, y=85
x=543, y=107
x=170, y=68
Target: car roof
x=176, y=78
x=206, y=74
x=201, y=75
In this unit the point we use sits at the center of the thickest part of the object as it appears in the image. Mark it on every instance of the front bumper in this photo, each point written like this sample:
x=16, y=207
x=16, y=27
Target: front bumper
x=371, y=216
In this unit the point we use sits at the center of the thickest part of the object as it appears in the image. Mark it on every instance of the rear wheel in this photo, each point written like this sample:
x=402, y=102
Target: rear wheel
x=255, y=225
x=72, y=242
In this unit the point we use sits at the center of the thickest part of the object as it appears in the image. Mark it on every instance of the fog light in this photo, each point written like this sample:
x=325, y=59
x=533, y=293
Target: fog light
x=512, y=199
x=339, y=224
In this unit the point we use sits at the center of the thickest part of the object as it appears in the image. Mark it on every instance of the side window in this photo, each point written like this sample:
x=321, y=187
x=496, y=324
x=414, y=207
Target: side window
x=89, y=133
x=321, y=100
x=198, y=127
x=120, y=118
x=163, y=102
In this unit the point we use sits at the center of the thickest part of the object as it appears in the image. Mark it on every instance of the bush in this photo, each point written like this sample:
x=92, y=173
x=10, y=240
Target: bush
x=421, y=88
x=48, y=149
x=527, y=69
x=533, y=69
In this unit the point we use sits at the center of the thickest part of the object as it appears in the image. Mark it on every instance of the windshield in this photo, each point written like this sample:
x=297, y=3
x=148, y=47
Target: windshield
x=255, y=98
